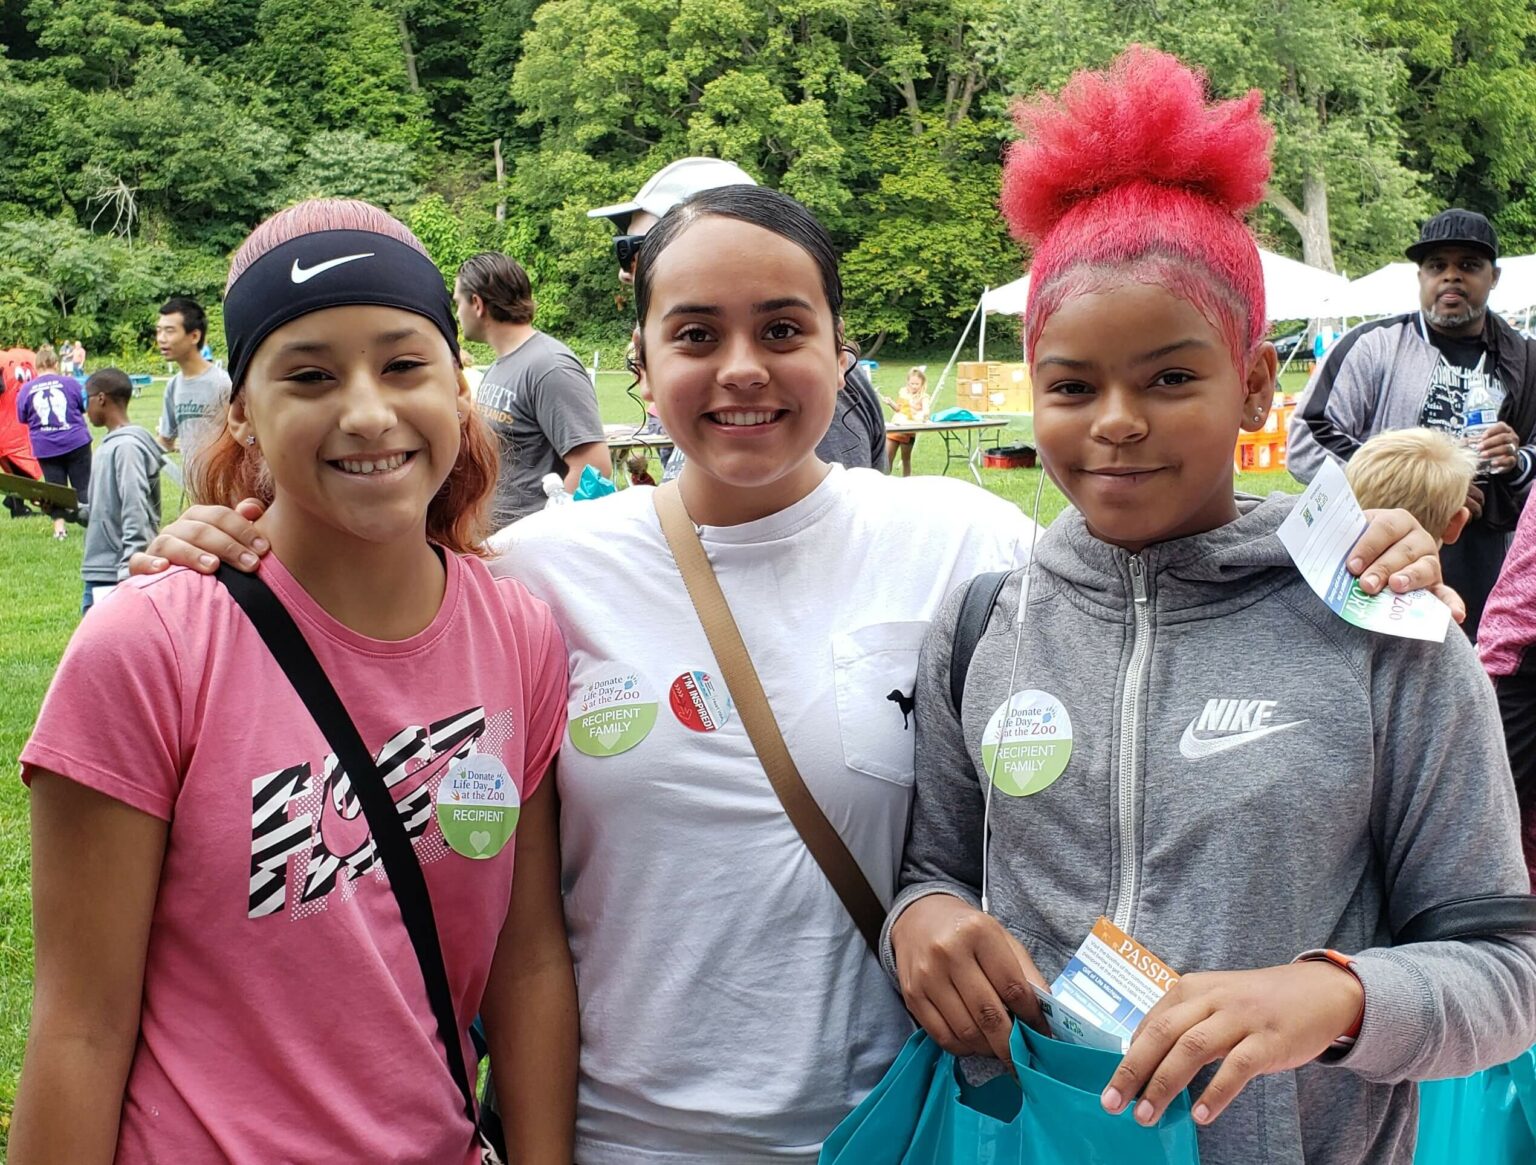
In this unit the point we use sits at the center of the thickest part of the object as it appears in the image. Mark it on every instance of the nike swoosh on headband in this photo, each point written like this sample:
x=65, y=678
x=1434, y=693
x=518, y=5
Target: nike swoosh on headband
x=305, y=274
x=1193, y=747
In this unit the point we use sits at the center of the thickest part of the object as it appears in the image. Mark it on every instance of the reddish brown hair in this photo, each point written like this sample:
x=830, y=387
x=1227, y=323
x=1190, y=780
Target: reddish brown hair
x=227, y=471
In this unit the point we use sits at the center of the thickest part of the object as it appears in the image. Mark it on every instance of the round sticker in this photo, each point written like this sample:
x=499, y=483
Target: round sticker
x=612, y=715
x=700, y=701
x=1027, y=743
x=477, y=806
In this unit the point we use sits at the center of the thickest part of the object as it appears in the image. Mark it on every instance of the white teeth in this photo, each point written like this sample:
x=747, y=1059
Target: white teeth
x=743, y=418
x=367, y=467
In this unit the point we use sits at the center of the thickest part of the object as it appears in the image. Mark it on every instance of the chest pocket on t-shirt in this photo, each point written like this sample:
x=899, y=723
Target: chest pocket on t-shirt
x=876, y=670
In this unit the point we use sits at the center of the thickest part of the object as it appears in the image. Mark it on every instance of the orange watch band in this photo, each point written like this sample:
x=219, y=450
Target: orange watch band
x=1339, y=959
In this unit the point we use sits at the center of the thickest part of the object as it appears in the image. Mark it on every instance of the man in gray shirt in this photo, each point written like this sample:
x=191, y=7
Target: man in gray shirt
x=192, y=414
x=536, y=394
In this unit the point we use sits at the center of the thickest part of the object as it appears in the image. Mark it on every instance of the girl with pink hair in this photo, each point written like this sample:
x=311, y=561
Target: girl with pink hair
x=1162, y=723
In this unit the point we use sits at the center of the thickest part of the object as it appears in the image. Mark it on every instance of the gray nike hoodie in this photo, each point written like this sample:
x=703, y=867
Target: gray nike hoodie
x=1250, y=777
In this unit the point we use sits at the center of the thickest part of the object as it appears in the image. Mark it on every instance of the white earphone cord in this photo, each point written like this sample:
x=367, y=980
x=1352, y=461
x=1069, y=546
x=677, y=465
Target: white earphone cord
x=1002, y=728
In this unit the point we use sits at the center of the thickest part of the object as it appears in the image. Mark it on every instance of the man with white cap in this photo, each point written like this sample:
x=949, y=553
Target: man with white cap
x=856, y=437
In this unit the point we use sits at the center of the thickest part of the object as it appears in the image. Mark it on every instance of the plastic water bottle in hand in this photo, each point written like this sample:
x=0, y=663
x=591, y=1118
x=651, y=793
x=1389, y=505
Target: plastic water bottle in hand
x=1482, y=412
x=554, y=490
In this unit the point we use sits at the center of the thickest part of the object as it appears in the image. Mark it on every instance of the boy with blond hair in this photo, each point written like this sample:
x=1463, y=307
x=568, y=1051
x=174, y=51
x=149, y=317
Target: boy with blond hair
x=1423, y=471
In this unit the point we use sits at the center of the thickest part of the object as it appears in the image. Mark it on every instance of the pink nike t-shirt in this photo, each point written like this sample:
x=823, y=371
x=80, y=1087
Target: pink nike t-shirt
x=285, y=1017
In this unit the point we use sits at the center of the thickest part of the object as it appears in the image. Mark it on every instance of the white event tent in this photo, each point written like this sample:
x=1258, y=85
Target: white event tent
x=1395, y=288
x=1292, y=291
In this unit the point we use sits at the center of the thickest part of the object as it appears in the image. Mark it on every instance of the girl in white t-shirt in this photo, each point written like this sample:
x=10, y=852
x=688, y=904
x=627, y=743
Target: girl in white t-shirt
x=223, y=970
x=730, y=1010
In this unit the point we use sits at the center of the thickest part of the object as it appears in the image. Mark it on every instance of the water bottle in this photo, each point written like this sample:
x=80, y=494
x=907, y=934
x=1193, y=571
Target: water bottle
x=554, y=490
x=1482, y=410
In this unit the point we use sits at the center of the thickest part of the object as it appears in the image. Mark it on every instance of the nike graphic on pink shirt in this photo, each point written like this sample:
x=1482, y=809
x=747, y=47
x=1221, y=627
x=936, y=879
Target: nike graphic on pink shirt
x=284, y=1014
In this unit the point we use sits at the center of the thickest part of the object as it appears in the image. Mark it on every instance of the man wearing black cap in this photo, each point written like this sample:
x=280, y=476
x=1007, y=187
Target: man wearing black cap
x=1429, y=369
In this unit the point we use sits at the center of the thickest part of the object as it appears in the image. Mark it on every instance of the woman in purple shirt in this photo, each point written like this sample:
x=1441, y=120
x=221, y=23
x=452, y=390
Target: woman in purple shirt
x=52, y=405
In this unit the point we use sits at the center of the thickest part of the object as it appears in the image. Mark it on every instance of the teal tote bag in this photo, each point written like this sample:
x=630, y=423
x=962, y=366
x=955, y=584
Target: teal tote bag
x=924, y=1113
x=1488, y=1117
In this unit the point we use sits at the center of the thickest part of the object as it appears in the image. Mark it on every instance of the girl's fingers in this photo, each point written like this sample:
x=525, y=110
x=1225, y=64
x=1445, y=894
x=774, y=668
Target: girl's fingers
x=969, y=1039
x=202, y=555
x=1453, y=600
x=991, y=1015
x=1245, y=1061
x=1386, y=527
x=1154, y=1040
x=142, y=563
x=1013, y=975
x=1394, y=543
x=1203, y=1043
x=932, y=1021
x=1421, y=574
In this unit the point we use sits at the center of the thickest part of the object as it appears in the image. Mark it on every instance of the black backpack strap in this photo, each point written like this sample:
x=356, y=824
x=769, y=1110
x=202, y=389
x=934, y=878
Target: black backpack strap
x=1488, y=916
x=293, y=655
x=975, y=609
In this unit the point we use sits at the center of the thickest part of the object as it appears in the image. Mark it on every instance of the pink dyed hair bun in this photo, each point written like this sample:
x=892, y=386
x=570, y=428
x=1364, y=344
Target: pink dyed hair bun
x=1133, y=163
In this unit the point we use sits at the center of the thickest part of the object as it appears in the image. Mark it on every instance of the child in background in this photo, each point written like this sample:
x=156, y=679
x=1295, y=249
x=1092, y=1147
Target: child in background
x=53, y=407
x=1246, y=783
x=1420, y=470
x=911, y=406
x=124, y=510
x=638, y=467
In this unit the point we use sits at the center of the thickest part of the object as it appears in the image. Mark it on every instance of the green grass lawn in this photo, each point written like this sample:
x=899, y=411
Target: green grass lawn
x=41, y=580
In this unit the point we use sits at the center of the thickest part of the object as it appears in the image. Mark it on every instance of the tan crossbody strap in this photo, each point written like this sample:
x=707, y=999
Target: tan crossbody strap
x=824, y=842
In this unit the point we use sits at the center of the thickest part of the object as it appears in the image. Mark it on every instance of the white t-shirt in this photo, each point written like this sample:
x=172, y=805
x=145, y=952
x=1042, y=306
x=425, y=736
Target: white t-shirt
x=730, y=1011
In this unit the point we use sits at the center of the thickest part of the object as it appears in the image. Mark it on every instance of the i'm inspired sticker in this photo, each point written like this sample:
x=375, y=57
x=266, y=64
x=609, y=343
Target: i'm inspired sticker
x=1027, y=743
x=612, y=715
x=700, y=701
x=477, y=806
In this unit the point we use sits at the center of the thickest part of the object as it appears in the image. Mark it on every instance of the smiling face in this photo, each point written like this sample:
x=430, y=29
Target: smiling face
x=1137, y=408
x=356, y=412
x=1454, y=284
x=742, y=357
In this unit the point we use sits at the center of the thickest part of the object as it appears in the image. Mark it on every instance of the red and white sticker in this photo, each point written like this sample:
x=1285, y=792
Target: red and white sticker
x=700, y=701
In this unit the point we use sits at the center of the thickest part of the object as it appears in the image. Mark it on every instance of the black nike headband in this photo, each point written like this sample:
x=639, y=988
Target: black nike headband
x=331, y=269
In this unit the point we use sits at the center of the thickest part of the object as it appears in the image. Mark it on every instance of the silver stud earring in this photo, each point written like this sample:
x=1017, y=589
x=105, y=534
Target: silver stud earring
x=250, y=439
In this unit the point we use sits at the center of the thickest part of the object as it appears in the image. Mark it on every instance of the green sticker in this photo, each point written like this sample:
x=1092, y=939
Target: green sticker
x=1027, y=743
x=612, y=715
x=477, y=806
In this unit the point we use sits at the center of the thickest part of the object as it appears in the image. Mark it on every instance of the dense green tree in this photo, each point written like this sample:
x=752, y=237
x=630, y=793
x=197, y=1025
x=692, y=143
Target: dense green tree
x=1468, y=102
x=933, y=238
x=346, y=164
x=71, y=281
x=150, y=137
x=201, y=166
x=338, y=67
